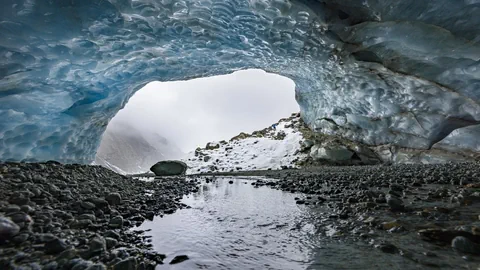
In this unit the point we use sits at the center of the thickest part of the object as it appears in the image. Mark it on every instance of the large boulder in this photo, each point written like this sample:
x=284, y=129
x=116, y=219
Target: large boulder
x=8, y=228
x=169, y=168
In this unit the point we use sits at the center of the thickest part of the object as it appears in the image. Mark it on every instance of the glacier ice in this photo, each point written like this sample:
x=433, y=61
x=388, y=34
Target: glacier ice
x=383, y=72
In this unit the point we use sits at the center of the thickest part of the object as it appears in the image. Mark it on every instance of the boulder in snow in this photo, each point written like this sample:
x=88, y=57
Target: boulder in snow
x=169, y=168
x=212, y=146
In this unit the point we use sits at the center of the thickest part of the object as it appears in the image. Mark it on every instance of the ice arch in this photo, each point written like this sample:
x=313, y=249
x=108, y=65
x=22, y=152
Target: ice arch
x=377, y=71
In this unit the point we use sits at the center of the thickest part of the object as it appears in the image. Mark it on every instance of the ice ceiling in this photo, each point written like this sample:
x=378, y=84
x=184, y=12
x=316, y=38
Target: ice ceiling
x=405, y=72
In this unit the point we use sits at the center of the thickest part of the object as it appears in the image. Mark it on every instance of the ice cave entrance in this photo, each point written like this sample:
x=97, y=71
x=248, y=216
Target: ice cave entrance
x=166, y=120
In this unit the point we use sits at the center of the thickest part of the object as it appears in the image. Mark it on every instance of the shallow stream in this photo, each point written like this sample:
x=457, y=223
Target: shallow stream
x=238, y=226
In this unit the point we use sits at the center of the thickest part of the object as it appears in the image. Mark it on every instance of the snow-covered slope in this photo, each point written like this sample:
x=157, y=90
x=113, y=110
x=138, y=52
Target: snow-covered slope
x=265, y=149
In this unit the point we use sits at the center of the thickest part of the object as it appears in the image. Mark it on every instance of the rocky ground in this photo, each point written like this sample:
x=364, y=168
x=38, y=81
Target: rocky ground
x=78, y=217
x=55, y=216
x=425, y=213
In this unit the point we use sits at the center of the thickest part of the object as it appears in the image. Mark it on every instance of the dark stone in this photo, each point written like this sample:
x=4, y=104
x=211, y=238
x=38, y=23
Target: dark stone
x=169, y=168
x=50, y=266
x=97, y=266
x=44, y=237
x=97, y=245
x=463, y=244
x=111, y=234
x=87, y=205
x=55, y=246
x=21, y=238
x=114, y=198
x=68, y=254
x=127, y=264
x=8, y=229
x=179, y=259
x=395, y=203
x=387, y=248
x=116, y=222
x=111, y=243
x=99, y=203
x=80, y=264
x=81, y=224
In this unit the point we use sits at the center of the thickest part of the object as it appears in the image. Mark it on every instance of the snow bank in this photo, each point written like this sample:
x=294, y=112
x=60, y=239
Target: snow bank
x=266, y=149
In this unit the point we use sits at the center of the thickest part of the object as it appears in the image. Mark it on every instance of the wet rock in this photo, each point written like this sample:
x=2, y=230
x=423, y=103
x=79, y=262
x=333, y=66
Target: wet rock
x=395, y=203
x=27, y=209
x=20, y=238
x=127, y=264
x=97, y=245
x=179, y=259
x=87, y=216
x=50, y=266
x=111, y=242
x=55, y=246
x=80, y=264
x=463, y=244
x=81, y=224
x=8, y=229
x=389, y=225
x=446, y=236
x=116, y=222
x=12, y=208
x=20, y=217
x=111, y=234
x=169, y=168
x=67, y=254
x=99, y=203
x=114, y=198
x=87, y=205
x=44, y=237
x=97, y=266
x=387, y=248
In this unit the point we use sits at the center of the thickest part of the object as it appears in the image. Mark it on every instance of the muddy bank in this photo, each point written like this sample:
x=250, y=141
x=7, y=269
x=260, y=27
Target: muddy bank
x=55, y=216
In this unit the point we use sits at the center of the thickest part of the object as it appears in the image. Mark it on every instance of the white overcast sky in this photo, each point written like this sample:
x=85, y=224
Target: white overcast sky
x=192, y=113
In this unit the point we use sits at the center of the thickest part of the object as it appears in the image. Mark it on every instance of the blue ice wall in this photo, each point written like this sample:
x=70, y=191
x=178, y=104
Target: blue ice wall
x=394, y=72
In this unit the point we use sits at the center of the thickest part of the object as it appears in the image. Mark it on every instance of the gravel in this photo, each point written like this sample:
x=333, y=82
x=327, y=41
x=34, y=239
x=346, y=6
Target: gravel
x=56, y=216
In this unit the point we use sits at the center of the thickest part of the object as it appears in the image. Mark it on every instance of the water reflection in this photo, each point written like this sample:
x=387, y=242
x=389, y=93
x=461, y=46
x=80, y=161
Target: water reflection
x=236, y=226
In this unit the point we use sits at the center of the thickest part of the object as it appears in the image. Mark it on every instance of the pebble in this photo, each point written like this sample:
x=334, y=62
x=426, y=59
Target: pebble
x=87, y=205
x=111, y=242
x=463, y=244
x=114, y=198
x=127, y=264
x=387, y=248
x=395, y=203
x=179, y=259
x=55, y=246
x=97, y=266
x=97, y=244
x=116, y=222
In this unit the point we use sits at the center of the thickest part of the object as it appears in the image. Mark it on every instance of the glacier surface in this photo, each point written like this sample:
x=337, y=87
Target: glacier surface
x=382, y=72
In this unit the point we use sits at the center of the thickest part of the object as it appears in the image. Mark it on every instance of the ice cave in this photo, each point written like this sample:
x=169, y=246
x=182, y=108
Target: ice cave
x=382, y=72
